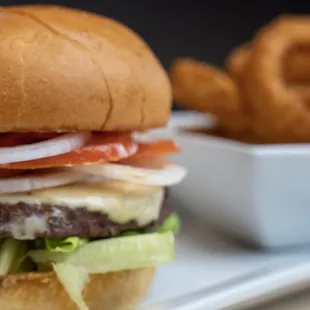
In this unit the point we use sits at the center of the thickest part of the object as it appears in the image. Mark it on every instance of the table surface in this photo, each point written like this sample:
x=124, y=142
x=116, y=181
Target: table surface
x=299, y=301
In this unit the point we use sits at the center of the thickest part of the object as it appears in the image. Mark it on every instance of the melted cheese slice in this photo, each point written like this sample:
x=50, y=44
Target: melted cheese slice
x=121, y=201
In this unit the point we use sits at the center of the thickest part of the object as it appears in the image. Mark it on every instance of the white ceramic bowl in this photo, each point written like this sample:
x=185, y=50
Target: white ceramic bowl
x=260, y=193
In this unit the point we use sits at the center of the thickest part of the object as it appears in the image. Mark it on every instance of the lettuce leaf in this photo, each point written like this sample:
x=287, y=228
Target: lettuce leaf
x=67, y=245
x=73, y=279
x=108, y=254
x=172, y=223
x=12, y=254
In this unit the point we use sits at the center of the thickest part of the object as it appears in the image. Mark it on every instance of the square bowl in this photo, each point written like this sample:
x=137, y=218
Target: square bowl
x=259, y=193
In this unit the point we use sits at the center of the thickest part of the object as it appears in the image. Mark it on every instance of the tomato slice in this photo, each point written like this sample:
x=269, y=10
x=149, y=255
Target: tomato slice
x=157, y=148
x=100, y=148
x=150, y=154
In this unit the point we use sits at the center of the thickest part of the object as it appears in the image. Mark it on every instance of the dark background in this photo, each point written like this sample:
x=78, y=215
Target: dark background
x=205, y=30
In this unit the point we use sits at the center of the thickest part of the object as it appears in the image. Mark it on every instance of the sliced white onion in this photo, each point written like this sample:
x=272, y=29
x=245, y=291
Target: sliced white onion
x=170, y=174
x=56, y=146
x=95, y=179
x=39, y=180
x=143, y=137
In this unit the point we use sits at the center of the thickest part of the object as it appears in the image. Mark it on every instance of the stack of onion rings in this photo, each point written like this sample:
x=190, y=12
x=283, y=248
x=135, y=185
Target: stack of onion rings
x=264, y=89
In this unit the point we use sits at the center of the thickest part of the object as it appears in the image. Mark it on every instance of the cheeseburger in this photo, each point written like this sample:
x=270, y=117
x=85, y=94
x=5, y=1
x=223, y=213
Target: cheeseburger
x=83, y=215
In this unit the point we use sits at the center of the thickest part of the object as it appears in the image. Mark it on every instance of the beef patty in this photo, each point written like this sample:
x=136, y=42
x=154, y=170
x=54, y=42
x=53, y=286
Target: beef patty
x=24, y=221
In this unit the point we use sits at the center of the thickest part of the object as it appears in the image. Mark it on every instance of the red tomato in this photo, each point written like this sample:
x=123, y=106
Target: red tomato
x=157, y=148
x=151, y=154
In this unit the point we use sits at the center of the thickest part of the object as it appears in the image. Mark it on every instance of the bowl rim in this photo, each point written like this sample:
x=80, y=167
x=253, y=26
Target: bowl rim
x=182, y=121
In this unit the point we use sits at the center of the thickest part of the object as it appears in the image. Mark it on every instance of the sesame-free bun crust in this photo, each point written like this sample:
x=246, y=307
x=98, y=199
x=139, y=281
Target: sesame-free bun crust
x=63, y=69
x=111, y=291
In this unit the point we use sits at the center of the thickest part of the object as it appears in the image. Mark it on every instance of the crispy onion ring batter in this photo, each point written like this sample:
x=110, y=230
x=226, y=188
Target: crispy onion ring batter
x=296, y=64
x=281, y=110
x=205, y=88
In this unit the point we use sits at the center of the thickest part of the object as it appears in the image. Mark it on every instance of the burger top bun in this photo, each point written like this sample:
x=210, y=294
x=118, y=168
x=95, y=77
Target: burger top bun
x=110, y=291
x=63, y=69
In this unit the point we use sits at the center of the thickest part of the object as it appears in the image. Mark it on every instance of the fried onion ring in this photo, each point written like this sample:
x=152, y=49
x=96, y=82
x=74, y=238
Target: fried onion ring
x=204, y=88
x=236, y=61
x=296, y=67
x=281, y=110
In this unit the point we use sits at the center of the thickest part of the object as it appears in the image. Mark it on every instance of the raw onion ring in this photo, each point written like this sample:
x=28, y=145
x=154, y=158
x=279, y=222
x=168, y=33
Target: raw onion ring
x=169, y=174
x=55, y=146
x=40, y=179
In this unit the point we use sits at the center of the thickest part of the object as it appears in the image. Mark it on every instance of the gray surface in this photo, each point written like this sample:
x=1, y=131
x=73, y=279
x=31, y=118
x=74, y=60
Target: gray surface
x=299, y=301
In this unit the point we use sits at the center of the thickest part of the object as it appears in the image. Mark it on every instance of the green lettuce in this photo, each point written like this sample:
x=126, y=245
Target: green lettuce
x=67, y=245
x=172, y=223
x=13, y=254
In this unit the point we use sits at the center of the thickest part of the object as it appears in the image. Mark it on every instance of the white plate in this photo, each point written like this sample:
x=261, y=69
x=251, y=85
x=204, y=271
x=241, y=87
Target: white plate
x=212, y=273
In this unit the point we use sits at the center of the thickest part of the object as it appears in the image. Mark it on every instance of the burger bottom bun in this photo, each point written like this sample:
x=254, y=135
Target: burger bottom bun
x=111, y=291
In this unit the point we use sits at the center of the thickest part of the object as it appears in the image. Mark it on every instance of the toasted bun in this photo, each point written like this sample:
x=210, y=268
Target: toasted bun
x=63, y=69
x=111, y=291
